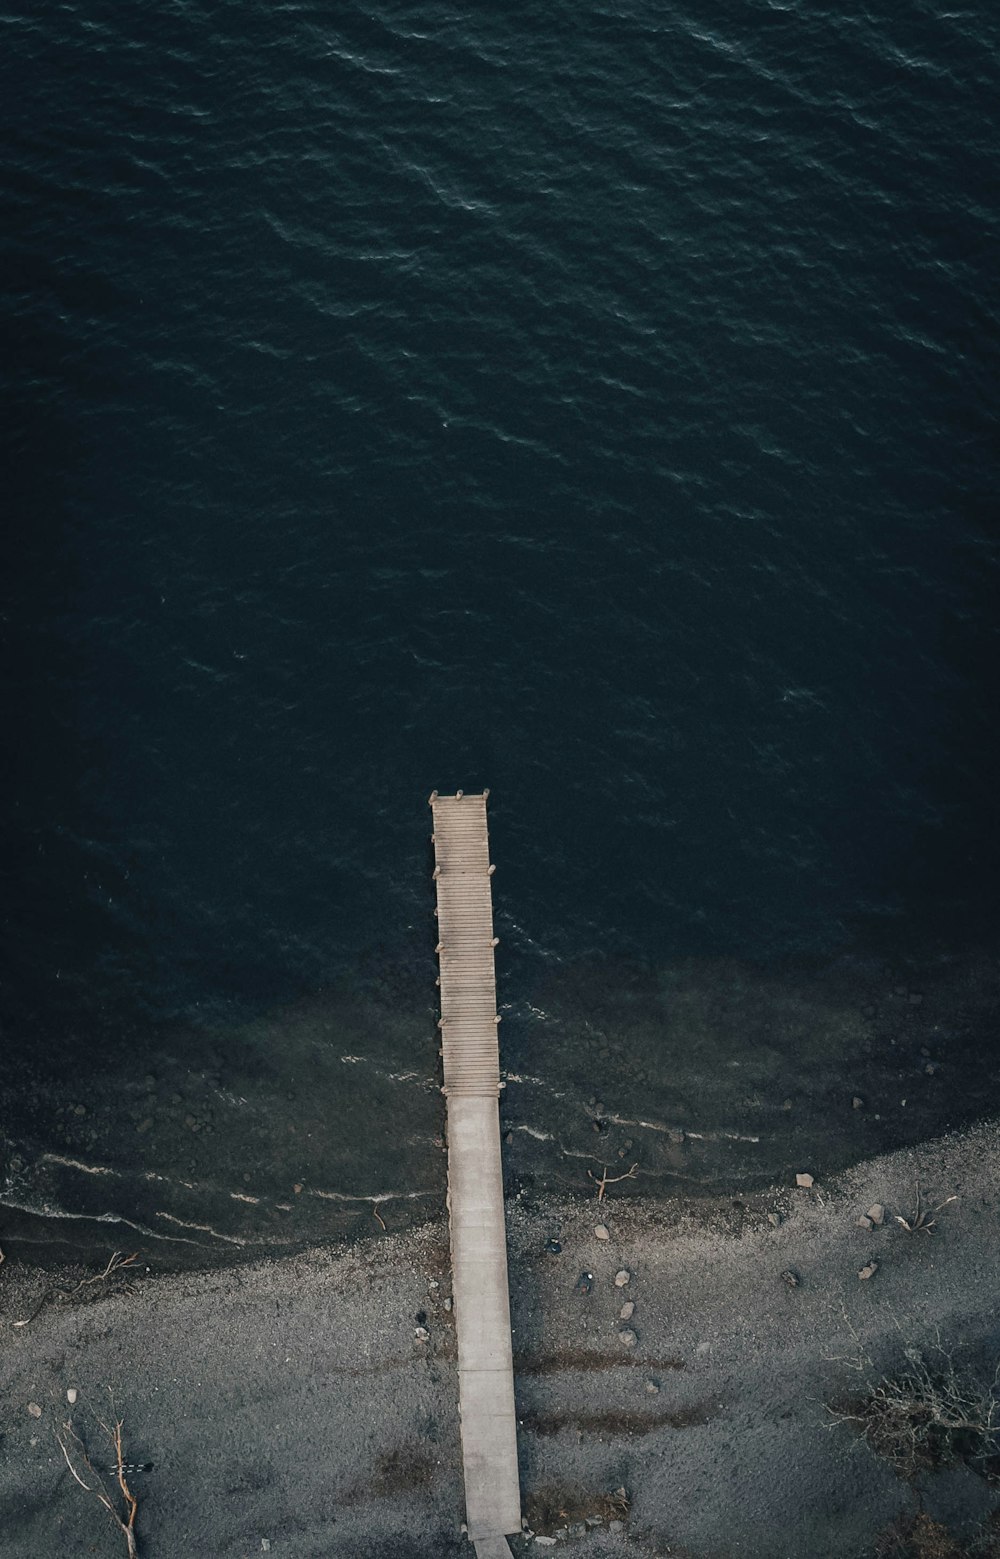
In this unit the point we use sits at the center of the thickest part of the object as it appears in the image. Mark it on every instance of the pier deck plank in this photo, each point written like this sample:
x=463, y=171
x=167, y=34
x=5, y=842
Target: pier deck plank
x=475, y=1181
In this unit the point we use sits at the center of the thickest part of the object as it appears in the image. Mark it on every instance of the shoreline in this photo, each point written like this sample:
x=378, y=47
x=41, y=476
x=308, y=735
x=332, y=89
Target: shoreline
x=291, y=1400
x=714, y=1077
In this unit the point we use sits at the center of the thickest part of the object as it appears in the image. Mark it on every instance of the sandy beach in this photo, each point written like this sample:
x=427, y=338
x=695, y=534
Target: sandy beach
x=290, y=1407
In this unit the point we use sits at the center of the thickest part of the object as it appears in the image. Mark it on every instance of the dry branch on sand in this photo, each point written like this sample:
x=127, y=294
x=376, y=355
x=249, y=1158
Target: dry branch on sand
x=922, y=1220
x=928, y=1414
x=122, y=1507
x=117, y=1263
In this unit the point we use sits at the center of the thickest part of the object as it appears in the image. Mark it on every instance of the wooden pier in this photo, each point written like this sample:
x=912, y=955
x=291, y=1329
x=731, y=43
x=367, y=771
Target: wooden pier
x=475, y=1181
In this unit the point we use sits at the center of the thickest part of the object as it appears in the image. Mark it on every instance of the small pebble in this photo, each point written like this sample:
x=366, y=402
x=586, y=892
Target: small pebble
x=34, y=1410
x=791, y=1278
x=448, y=1303
x=627, y=1337
x=71, y=1395
x=868, y=1271
x=805, y=1181
x=601, y=1232
x=621, y=1278
x=422, y=1334
x=857, y=1104
x=865, y=1222
x=616, y=1526
x=877, y=1214
x=652, y=1389
x=774, y=1219
x=627, y=1311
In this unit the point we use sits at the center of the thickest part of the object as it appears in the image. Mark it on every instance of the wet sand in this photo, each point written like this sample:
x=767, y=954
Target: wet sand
x=290, y=1403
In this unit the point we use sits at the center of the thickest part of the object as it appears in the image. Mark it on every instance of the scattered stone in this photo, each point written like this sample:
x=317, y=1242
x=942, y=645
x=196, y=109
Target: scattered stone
x=578, y=1529
x=805, y=1181
x=621, y=1278
x=857, y=1103
x=297, y=1189
x=553, y=1247
x=675, y=1134
x=652, y=1389
x=599, y=1108
x=448, y=1302
x=34, y=1410
x=786, y=1104
x=422, y=1334
x=774, y=1219
x=868, y=1271
x=593, y=1521
x=931, y=1068
x=191, y=1122
x=627, y=1337
x=864, y=1222
x=71, y=1395
x=791, y=1278
x=601, y=1232
x=877, y=1214
x=545, y=1542
x=79, y=1109
x=616, y=1526
x=627, y=1311
x=265, y=1544
x=144, y=1126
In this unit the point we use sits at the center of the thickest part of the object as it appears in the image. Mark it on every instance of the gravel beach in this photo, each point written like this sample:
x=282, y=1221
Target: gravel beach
x=292, y=1407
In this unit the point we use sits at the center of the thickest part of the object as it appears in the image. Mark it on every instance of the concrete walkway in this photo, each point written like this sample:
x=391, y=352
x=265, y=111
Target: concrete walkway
x=475, y=1179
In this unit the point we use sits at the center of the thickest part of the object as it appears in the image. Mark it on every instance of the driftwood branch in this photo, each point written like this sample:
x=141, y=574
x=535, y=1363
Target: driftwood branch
x=122, y=1507
x=117, y=1263
x=607, y=1179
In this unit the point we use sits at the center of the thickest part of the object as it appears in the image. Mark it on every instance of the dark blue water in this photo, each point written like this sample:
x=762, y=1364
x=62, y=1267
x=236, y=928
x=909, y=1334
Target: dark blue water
x=593, y=402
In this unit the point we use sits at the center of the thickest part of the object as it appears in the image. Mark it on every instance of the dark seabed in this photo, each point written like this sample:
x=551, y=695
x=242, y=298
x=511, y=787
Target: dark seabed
x=593, y=402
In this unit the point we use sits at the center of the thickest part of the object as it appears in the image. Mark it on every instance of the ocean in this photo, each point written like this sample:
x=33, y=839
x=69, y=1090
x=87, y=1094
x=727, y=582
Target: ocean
x=595, y=403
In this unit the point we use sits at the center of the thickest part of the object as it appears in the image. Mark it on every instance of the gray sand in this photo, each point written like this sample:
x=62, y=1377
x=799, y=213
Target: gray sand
x=290, y=1403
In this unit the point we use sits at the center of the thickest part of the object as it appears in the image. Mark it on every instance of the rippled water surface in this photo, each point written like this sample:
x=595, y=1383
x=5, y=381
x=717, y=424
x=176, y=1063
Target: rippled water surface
x=593, y=402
